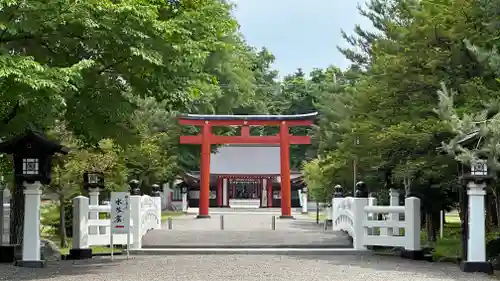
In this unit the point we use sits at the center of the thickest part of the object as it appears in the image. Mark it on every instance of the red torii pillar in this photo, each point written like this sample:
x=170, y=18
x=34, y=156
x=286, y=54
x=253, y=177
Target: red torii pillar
x=284, y=139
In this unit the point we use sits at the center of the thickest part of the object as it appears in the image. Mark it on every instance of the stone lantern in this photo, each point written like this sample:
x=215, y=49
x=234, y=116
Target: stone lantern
x=476, y=175
x=93, y=183
x=32, y=154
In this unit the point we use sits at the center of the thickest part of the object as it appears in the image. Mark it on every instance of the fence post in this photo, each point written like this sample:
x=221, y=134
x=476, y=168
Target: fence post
x=412, y=249
x=372, y=201
x=157, y=203
x=94, y=201
x=338, y=197
x=80, y=243
x=135, y=217
x=359, y=217
x=394, y=217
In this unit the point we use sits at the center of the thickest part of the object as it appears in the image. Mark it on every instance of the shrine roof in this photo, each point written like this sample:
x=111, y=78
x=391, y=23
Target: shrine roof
x=305, y=116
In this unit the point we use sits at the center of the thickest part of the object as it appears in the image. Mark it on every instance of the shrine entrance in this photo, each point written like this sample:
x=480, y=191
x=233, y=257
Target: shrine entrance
x=249, y=188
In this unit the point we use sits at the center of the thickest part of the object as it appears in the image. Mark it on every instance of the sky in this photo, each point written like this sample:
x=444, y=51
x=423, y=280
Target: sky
x=300, y=33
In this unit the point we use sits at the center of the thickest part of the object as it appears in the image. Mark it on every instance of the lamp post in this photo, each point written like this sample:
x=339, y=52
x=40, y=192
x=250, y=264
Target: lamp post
x=184, y=191
x=134, y=187
x=93, y=182
x=32, y=153
x=477, y=176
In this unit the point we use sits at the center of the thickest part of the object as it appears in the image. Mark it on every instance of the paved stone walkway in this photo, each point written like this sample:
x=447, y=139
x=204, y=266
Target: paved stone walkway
x=242, y=268
x=244, y=230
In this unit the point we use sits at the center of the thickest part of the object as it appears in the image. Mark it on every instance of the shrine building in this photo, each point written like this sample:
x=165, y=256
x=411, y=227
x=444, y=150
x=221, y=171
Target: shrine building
x=244, y=175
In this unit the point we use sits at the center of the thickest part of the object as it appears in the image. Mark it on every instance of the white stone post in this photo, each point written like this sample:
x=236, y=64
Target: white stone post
x=358, y=210
x=336, y=201
x=184, y=202
x=157, y=204
x=31, y=237
x=80, y=243
x=394, y=217
x=476, y=246
x=372, y=201
x=412, y=223
x=225, y=195
x=94, y=201
x=135, y=217
x=305, y=204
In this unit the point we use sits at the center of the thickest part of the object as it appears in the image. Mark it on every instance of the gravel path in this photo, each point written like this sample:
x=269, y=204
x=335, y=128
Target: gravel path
x=242, y=267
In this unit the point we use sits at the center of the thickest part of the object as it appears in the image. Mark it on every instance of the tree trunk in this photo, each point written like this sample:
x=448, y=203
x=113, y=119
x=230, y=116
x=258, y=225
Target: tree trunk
x=17, y=214
x=62, y=222
x=497, y=207
x=430, y=227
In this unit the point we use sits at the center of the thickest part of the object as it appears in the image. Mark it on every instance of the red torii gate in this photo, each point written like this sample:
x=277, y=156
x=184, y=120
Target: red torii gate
x=284, y=139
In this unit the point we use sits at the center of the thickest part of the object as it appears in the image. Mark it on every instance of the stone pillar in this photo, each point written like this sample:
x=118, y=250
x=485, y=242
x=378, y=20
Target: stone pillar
x=184, y=202
x=31, y=237
x=80, y=242
x=413, y=248
x=135, y=217
x=476, y=245
x=304, y=202
x=94, y=201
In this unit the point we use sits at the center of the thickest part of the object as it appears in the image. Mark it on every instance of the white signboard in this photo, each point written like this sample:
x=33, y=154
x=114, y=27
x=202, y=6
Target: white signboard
x=120, y=212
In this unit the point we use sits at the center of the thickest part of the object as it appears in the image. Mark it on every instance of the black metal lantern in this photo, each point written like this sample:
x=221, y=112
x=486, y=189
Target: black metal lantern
x=477, y=171
x=155, y=190
x=338, y=191
x=93, y=180
x=134, y=187
x=32, y=153
x=361, y=190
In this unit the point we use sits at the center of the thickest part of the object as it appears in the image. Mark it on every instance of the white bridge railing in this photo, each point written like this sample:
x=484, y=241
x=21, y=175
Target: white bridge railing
x=145, y=215
x=371, y=225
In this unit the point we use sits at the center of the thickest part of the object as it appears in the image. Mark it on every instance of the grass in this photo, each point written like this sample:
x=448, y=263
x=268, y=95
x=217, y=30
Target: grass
x=450, y=245
x=95, y=249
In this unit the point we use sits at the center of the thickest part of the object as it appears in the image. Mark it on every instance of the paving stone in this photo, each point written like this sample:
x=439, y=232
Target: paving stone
x=244, y=229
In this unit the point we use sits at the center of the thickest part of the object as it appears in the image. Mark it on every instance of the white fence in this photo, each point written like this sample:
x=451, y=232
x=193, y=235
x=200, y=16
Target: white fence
x=359, y=217
x=90, y=229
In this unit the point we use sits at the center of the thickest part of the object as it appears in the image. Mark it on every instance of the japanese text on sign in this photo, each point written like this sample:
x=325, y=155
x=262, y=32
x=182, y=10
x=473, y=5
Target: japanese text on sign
x=120, y=212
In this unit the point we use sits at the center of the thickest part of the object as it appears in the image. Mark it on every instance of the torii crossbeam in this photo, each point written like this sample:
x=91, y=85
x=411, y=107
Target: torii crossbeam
x=284, y=139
